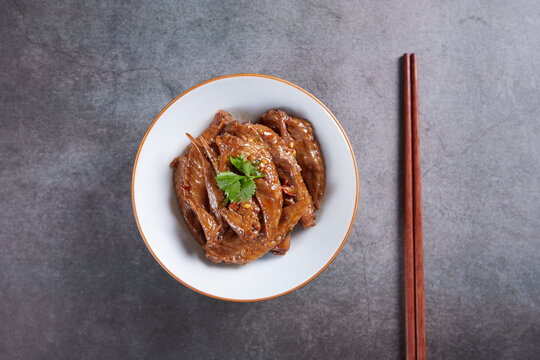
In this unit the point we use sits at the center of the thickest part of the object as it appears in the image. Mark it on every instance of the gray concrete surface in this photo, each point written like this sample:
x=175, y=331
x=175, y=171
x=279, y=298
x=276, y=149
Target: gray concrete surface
x=81, y=81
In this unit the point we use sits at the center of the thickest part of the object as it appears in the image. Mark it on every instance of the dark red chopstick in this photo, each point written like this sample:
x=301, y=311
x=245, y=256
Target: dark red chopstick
x=417, y=217
x=408, y=235
x=415, y=338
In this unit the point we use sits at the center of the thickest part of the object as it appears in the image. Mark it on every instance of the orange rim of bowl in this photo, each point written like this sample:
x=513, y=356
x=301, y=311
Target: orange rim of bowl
x=137, y=159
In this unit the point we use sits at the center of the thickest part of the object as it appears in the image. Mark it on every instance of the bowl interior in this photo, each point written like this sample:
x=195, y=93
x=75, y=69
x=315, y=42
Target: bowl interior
x=246, y=97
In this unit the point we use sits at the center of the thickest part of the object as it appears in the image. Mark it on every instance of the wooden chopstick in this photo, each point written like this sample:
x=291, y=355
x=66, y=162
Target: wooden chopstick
x=417, y=218
x=408, y=235
x=415, y=338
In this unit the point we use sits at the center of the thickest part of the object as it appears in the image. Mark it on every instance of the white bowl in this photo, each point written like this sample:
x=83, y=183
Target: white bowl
x=245, y=96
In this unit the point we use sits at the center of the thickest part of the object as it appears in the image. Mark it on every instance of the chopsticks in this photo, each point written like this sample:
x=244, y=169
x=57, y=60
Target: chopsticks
x=415, y=323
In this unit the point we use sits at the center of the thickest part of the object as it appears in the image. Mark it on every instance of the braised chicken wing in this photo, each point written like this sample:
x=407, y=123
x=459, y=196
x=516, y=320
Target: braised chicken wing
x=242, y=187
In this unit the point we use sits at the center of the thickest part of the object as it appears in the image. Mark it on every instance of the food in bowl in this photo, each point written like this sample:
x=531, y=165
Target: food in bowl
x=242, y=187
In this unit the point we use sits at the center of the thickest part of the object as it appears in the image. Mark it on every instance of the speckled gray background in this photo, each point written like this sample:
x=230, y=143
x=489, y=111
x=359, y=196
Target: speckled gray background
x=81, y=81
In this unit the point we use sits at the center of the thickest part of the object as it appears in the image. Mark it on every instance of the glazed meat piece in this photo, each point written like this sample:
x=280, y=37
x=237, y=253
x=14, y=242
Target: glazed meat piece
x=290, y=216
x=211, y=152
x=284, y=246
x=179, y=166
x=195, y=194
x=247, y=142
x=221, y=119
x=309, y=156
x=275, y=120
x=242, y=219
x=215, y=195
x=232, y=249
x=299, y=133
x=229, y=249
x=289, y=171
x=208, y=136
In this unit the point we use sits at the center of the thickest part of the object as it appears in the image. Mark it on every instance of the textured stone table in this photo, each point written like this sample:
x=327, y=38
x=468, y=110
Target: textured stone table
x=81, y=81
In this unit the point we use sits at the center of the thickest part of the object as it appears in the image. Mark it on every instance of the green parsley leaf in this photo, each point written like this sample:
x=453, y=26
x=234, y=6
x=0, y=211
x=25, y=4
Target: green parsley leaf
x=245, y=166
x=239, y=187
x=238, y=162
x=247, y=189
x=229, y=182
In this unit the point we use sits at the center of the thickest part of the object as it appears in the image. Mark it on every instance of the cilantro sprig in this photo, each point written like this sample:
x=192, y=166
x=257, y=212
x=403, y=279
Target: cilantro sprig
x=239, y=187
